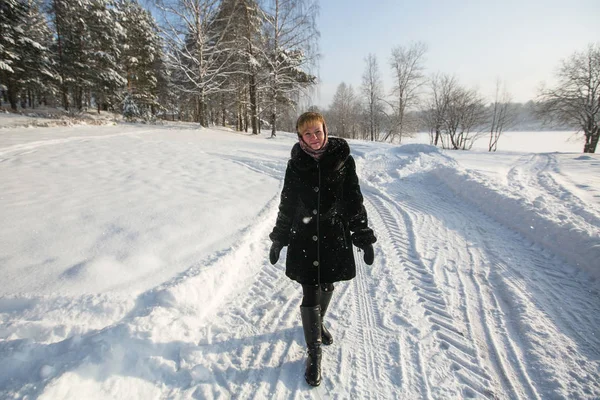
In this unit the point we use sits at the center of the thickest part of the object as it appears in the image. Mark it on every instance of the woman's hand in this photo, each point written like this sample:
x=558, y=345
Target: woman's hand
x=274, y=252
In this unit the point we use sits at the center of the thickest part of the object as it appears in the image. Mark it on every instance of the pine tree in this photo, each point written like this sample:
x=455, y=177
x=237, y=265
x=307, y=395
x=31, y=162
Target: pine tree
x=141, y=57
x=73, y=50
x=88, y=46
x=106, y=41
x=40, y=79
x=23, y=52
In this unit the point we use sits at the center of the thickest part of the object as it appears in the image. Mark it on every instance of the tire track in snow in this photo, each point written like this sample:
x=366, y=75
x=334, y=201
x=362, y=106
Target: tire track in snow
x=513, y=340
x=367, y=361
x=483, y=343
x=406, y=363
x=491, y=347
x=267, y=312
x=534, y=172
x=448, y=336
x=498, y=345
x=373, y=355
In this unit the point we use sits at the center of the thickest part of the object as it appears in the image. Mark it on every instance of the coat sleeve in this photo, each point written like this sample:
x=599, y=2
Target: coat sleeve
x=287, y=208
x=356, y=213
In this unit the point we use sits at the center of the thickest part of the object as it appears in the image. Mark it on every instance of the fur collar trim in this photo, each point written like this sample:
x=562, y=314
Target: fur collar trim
x=334, y=157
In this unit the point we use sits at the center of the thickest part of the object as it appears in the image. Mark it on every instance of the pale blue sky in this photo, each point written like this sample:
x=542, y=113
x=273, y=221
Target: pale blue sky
x=520, y=42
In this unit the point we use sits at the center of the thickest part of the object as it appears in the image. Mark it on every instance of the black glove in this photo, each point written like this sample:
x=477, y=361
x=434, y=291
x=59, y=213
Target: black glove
x=369, y=254
x=274, y=252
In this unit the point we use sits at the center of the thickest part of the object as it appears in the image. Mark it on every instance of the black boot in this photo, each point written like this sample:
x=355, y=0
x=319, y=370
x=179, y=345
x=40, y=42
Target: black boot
x=311, y=323
x=325, y=299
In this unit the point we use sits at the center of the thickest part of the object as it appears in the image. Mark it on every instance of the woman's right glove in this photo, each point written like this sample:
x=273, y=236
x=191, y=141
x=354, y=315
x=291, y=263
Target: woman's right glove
x=369, y=256
x=364, y=239
x=274, y=252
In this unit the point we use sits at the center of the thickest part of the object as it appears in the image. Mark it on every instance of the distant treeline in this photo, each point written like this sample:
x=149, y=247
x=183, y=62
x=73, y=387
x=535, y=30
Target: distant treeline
x=525, y=118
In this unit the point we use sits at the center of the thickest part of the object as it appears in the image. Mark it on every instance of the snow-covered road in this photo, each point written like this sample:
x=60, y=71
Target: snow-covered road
x=133, y=262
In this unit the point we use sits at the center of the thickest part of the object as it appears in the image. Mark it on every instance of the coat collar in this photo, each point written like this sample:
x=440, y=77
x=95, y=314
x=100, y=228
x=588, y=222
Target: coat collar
x=334, y=157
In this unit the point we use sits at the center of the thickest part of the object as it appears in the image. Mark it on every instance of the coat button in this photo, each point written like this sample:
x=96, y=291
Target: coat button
x=315, y=238
x=315, y=212
x=316, y=189
x=316, y=263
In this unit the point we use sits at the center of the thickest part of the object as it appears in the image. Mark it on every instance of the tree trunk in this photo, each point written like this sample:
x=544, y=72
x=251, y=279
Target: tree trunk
x=591, y=141
x=372, y=121
x=239, y=125
x=78, y=97
x=12, y=95
x=223, y=111
x=58, y=24
x=273, y=123
x=274, y=115
x=202, y=110
x=253, y=103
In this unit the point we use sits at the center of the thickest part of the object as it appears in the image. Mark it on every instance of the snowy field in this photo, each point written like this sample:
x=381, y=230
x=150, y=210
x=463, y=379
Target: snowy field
x=133, y=262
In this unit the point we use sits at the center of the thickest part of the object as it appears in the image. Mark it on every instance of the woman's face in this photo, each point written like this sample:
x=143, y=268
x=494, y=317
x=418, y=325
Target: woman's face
x=313, y=135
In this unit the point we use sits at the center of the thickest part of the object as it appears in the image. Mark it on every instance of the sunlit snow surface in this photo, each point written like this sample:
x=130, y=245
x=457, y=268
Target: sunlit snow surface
x=133, y=262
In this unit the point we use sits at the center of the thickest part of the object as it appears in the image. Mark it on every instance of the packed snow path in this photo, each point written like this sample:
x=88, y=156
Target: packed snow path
x=462, y=301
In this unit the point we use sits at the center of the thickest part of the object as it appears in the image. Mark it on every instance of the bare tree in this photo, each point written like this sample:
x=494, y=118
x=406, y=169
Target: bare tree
x=575, y=100
x=292, y=35
x=502, y=115
x=454, y=113
x=343, y=118
x=407, y=67
x=466, y=111
x=372, y=90
x=441, y=87
x=194, y=50
x=241, y=22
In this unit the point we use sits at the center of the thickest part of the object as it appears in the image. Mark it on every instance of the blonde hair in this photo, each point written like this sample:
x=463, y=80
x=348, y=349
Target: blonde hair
x=309, y=118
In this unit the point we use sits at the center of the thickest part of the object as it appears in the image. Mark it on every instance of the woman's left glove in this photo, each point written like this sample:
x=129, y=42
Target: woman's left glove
x=363, y=237
x=274, y=252
x=369, y=256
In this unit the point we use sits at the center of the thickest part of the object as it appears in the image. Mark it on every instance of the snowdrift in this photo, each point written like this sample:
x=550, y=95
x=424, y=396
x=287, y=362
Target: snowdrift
x=568, y=236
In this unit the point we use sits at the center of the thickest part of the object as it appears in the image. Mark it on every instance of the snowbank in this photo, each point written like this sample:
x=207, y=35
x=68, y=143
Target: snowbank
x=567, y=237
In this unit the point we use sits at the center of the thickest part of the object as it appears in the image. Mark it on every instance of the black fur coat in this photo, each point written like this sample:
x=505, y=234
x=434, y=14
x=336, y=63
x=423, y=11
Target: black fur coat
x=321, y=215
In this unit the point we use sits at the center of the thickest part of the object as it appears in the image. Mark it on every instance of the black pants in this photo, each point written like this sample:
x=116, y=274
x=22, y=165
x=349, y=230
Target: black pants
x=311, y=294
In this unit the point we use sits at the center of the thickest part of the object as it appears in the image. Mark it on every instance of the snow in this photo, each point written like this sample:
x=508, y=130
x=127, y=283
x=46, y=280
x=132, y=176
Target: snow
x=134, y=265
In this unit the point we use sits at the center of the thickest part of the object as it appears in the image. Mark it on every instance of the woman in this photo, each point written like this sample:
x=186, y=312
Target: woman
x=321, y=215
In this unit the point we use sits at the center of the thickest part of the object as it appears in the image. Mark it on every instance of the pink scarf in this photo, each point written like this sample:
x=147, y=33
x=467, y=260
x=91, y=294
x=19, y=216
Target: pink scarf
x=316, y=154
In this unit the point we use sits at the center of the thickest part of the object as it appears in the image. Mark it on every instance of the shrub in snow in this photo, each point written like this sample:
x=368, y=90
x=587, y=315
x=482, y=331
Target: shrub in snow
x=130, y=109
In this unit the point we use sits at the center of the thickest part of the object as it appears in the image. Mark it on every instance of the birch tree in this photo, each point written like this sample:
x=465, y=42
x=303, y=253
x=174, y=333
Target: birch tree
x=343, y=112
x=407, y=68
x=194, y=51
x=241, y=22
x=372, y=90
x=292, y=35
